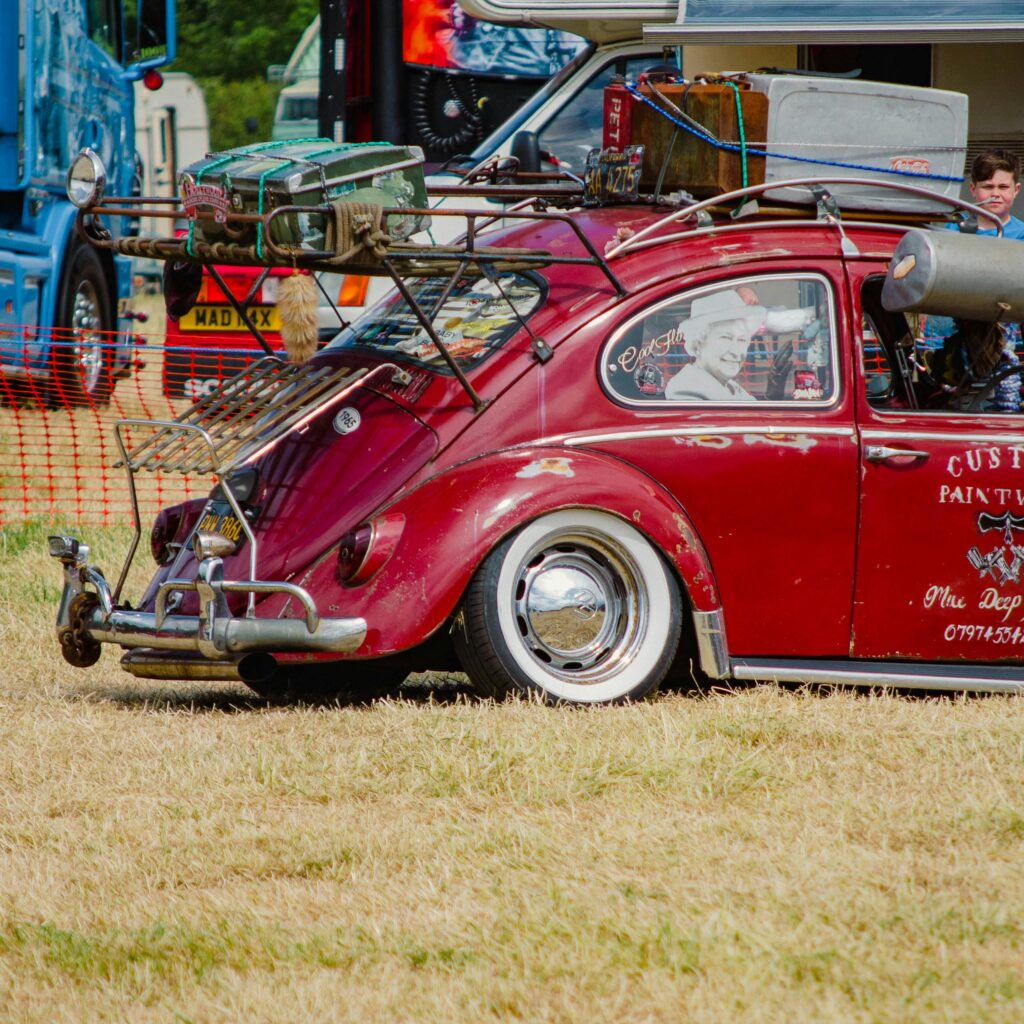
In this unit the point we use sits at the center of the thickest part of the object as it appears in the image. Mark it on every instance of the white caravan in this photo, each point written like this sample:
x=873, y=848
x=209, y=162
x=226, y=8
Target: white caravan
x=172, y=130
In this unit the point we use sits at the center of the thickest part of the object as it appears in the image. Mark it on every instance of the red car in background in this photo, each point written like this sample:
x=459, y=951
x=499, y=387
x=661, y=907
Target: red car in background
x=211, y=342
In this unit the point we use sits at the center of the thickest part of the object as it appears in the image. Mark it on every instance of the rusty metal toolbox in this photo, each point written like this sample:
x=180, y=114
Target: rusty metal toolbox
x=691, y=163
x=260, y=178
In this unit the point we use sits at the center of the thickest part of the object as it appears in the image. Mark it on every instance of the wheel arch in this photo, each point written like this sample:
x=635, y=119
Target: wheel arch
x=453, y=520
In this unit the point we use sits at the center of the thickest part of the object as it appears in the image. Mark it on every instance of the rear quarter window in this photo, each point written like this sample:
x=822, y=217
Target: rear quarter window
x=753, y=339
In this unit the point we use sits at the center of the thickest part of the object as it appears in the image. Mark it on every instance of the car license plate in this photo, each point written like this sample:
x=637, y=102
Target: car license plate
x=224, y=318
x=226, y=524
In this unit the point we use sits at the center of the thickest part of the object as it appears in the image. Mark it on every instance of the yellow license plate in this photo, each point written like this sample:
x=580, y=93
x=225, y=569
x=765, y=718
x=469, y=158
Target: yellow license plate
x=226, y=525
x=224, y=318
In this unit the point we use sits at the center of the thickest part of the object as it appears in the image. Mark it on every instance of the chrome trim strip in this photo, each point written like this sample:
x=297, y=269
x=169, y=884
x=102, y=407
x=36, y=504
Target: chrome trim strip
x=866, y=677
x=712, y=650
x=937, y=435
x=710, y=429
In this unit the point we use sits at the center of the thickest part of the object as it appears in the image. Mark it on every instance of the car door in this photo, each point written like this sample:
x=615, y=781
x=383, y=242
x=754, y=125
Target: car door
x=940, y=554
x=767, y=478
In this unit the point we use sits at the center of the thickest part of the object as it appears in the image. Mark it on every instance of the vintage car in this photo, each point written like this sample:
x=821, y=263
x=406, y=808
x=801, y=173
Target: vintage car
x=584, y=451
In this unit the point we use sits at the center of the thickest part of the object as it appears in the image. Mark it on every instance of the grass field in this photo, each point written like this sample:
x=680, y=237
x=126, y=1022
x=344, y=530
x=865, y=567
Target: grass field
x=193, y=854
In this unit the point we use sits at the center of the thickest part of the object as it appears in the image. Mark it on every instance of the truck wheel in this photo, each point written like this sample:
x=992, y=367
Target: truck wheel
x=576, y=607
x=85, y=330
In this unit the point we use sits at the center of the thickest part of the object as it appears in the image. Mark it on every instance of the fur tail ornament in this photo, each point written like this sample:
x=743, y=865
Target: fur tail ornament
x=297, y=303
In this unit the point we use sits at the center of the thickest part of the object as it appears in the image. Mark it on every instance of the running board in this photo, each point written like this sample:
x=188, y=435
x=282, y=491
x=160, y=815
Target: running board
x=923, y=675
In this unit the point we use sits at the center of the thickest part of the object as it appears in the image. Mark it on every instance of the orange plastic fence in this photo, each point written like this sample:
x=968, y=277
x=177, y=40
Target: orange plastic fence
x=60, y=398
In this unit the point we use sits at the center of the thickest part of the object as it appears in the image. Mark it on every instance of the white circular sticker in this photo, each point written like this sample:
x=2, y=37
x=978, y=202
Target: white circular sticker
x=347, y=420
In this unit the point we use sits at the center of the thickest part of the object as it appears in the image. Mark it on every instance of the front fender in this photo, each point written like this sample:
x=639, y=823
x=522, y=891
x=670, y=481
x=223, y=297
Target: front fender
x=454, y=519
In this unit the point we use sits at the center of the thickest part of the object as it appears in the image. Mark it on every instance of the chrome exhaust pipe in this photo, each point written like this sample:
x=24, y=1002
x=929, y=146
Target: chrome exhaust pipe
x=147, y=663
x=257, y=668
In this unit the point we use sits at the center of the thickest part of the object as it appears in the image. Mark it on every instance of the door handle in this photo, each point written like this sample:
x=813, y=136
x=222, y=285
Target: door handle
x=882, y=453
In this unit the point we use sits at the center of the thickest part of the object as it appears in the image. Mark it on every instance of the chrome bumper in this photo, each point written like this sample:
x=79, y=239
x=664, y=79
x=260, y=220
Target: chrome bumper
x=88, y=617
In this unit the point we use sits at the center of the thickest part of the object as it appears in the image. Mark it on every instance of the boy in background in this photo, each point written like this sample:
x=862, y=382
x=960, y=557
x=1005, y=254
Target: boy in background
x=995, y=184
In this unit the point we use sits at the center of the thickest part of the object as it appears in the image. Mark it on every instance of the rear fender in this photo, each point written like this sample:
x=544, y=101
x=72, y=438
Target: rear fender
x=454, y=519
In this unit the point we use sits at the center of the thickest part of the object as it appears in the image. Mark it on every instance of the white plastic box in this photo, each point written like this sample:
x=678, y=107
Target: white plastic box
x=872, y=124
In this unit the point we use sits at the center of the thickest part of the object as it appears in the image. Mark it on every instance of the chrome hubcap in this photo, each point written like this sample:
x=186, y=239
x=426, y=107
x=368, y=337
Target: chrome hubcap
x=86, y=328
x=578, y=607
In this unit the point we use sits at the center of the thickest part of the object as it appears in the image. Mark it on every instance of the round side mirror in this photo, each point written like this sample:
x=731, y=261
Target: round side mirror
x=87, y=178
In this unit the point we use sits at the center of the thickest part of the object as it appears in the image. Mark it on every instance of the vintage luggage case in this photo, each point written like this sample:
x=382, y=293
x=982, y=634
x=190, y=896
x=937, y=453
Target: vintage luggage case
x=309, y=172
x=693, y=164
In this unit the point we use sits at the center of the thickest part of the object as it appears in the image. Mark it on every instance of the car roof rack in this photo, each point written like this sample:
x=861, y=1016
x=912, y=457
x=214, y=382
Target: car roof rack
x=825, y=209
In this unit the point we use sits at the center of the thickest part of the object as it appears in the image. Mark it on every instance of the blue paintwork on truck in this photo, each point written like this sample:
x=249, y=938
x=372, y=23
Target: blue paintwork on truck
x=61, y=89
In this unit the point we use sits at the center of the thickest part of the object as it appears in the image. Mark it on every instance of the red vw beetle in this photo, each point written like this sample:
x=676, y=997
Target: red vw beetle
x=579, y=453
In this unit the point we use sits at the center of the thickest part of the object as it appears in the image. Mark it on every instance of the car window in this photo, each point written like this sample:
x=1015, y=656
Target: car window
x=768, y=338
x=887, y=352
x=578, y=126
x=475, y=319
x=945, y=365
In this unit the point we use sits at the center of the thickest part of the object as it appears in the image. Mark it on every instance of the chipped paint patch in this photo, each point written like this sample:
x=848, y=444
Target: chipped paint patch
x=704, y=441
x=503, y=508
x=801, y=442
x=556, y=467
x=685, y=531
x=742, y=255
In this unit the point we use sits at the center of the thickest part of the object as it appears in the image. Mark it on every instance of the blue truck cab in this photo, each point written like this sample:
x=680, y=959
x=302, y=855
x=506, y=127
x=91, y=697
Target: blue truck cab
x=67, y=69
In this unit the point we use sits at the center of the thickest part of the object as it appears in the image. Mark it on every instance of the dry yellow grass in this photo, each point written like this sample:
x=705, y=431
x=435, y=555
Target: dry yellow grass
x=191, y=854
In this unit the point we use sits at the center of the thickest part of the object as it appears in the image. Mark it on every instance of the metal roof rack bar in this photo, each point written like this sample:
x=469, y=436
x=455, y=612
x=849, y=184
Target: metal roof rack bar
x=688, y=212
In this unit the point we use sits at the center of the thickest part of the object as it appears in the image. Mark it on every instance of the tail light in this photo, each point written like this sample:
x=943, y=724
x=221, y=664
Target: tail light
x=363, y=551
x=170, y=528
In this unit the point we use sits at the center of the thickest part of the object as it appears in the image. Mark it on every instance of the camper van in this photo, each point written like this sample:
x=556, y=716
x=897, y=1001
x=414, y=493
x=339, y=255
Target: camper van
x=562, y=121
x=295, y=116
x=948, y=46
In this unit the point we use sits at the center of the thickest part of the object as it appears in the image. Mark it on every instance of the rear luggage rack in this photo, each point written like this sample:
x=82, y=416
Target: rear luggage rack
x=245, y=418
x=242, y=419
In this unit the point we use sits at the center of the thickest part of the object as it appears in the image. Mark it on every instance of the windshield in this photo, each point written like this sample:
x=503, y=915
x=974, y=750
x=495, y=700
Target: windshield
x=508, y=128
x=476, y=319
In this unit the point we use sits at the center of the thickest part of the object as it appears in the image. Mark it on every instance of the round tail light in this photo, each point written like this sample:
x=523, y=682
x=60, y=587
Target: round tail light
x=352, y=552
x=363, y=551
x=165, y=526
x=170, y=528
